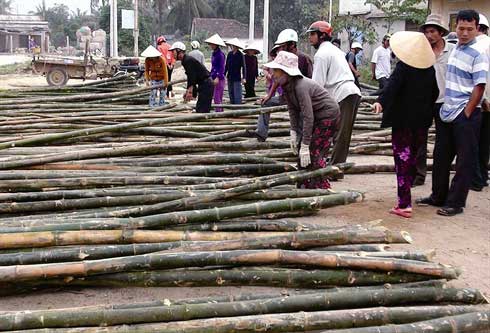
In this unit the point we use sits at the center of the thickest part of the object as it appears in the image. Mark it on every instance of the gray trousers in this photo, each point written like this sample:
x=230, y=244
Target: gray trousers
x=263, y=121
x=348, y=112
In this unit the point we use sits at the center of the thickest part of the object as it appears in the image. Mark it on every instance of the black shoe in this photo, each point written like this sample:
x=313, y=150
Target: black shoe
x=449, y=211
x=428, y=201
x=418, y=182
x=253, y=134
x=476, y=188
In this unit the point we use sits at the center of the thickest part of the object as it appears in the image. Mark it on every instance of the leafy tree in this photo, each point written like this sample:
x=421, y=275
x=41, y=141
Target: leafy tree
x=183, y=13
x=5, y=7
x=125, y=36
x=40, y=10
x=401, y=10
x=357, y=28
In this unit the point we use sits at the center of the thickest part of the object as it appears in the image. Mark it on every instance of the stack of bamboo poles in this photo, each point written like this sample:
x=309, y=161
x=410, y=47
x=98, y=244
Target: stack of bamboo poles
x=97, y=190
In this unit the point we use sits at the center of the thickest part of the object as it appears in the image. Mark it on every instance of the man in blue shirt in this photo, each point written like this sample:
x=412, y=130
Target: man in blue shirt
x=458, y=123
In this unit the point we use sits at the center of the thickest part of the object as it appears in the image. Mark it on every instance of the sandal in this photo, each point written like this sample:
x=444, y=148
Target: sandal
x=449, y=211
x=403, y=212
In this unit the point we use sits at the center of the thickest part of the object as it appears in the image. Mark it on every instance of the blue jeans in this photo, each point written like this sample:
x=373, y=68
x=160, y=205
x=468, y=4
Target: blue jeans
x=154, y=93
x=235, y=91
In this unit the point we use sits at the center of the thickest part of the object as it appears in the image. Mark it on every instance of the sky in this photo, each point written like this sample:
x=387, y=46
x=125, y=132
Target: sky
x=24, y=6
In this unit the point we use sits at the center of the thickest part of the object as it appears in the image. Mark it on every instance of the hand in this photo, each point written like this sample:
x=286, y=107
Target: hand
x=304, y=156
x=147, y=83
x=244, y=81
x=467, y=113
x=485, y=107
x=188, y=96
x=216, y=81
x=374, y=77
x=294, y=142
x=265, y=100
x=377, y=108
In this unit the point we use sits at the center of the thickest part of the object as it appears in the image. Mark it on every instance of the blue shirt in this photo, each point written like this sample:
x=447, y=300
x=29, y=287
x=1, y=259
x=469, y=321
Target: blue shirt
x=466, y=68
x=235, y=66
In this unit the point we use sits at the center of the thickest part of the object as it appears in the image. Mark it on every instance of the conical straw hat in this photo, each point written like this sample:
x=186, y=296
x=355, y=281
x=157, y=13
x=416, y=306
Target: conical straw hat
x=413, y=49
x=235, y=42
x=254, y=46
x=216, y=40
x=151, y=52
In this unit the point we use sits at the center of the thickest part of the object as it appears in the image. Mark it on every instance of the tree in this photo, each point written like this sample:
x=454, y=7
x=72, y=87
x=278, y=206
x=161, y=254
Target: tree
x=401, y=10
x=125, y=37
x=40, y=10
x=5, y=7
x=357, y=28
x=183, y=13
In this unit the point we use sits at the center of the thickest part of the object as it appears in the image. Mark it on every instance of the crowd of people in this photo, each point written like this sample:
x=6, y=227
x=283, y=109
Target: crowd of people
x=438, y=75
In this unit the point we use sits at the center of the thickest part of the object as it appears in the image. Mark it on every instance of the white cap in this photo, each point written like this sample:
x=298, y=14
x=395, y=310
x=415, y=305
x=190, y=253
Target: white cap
x=177, y=45
x=287, y=35
x=484, y=21
x=356, y=45
x=195, y=44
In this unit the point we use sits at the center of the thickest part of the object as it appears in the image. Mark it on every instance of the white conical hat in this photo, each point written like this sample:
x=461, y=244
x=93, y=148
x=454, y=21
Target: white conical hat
x=413, y=49
x=235, y=42
x=254, y=46
x=216, y=40
x=151, y=52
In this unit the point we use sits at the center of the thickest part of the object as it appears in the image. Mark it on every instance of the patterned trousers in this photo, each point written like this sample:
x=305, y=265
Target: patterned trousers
x=406, y=143
x=155, y=92
x=321, y=140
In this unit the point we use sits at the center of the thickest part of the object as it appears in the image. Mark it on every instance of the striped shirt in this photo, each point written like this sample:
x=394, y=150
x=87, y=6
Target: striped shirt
x=467, y=67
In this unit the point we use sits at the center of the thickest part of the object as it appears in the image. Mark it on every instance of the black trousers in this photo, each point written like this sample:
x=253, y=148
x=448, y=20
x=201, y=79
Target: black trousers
x=382, y=84
x=421, y=165
x=250, y=89
x=348, y=112
x=205, y=92
x=456, y=139
x=169, y=88
x=480, y=177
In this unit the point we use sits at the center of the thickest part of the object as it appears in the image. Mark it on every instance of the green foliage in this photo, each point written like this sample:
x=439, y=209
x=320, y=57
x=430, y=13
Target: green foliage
x=125, y=36
x=15, y=68
x=183, y=13
x=401, y=10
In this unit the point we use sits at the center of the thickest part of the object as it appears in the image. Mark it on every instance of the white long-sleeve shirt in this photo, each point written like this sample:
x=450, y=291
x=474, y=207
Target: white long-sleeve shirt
x=483, y=44
x=331, y=71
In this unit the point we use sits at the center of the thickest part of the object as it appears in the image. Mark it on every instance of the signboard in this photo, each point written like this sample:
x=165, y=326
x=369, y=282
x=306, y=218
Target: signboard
x=127, y=19
x=353, y=7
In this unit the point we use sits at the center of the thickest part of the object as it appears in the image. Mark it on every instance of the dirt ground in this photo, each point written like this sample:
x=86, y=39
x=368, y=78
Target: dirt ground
x=462, y=241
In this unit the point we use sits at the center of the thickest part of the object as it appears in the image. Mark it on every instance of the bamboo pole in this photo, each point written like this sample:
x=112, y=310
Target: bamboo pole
x=320, y=301
x=463, y=323
x=216, y=258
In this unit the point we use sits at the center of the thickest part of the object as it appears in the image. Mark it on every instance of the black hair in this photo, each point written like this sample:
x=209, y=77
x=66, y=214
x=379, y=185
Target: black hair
x=336, y=41
x=483, y=29
x=323, y=37
x=441, y=30
x=291, y=43
x=468, y=15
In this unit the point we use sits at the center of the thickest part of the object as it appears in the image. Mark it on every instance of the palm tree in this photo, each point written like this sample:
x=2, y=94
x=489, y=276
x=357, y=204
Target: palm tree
x=40, y=10
x=5, y=7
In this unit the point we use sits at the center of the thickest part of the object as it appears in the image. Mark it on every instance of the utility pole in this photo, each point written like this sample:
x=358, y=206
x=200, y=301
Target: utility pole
x=265, y=55
x=330, y=12
x=113, y=34
x=251, y=25
x=136, y=30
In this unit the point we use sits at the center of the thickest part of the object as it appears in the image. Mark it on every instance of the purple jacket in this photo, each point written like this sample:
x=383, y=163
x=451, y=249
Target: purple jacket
x=218, y=64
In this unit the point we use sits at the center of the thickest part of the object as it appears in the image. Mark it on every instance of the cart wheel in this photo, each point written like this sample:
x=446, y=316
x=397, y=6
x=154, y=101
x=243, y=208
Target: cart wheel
x=57, y=77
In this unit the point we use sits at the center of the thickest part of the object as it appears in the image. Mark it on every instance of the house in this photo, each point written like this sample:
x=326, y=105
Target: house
x=377, y=18
x=449, y=9
x=16, y=30
x=226, y=28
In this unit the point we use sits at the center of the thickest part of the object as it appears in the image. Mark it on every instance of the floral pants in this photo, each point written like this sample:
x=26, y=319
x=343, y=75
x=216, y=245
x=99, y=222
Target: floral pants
x=406, y=142
x=321, y=140
x=155, y=92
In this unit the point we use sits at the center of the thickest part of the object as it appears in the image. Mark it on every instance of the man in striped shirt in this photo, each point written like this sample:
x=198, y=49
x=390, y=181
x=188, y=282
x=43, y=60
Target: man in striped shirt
x=458, y=127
